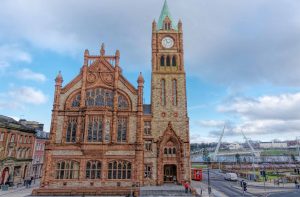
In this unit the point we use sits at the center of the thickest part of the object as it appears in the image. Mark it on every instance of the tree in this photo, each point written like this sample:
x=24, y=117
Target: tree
x=205, y=154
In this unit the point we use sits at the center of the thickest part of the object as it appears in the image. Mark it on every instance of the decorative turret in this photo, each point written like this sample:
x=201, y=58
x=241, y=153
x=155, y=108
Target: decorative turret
x=117, y=57
x=59, y=79
x=102, y=51
x=86, y=54
x=153, y=26
x=140, y=79
x=179, y=26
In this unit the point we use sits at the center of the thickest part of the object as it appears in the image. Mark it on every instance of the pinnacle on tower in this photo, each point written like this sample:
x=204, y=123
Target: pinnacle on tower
x=164, y=13
x=59, y=78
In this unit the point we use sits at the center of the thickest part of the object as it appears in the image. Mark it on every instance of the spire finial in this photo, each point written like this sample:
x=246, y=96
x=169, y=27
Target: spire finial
x=102, y=51
x=140, y=79
x=59, y=78
x=164, y=13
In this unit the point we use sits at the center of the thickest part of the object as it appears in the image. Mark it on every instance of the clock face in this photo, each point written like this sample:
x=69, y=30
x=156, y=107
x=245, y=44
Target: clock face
x=167, y=42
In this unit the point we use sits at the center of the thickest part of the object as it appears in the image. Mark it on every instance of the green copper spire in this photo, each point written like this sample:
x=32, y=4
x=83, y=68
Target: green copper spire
x=165, y=13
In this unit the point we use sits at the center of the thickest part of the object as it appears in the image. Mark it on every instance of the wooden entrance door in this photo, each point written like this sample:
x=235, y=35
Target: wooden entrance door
x=170, y=172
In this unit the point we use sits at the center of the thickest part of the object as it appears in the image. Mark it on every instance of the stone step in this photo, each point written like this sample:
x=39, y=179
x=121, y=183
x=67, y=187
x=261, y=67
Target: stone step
x=163, y=193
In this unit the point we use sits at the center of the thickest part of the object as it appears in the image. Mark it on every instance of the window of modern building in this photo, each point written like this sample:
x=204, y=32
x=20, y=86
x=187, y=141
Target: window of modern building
x=95, y=129
x=93, y=170
x=119, y=170
x=71, y=129
x=122, y=129
x=148, y=171
x=67, y=170
x=147, y=128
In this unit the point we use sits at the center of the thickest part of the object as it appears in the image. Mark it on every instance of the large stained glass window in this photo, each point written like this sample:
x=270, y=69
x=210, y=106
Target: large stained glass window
x=76, y=101
x=71, y=129
x=122, y=103
x=119, y=170
x=67, y=170
x=93, y=170
x=122, y=129
x=99, y=97
x=95, y=129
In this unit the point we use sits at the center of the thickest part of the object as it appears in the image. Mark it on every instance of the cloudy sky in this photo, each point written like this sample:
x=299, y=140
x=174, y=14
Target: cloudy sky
x=242, y=58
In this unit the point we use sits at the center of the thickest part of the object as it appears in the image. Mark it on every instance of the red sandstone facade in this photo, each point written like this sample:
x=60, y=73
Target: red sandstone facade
x=104, y=139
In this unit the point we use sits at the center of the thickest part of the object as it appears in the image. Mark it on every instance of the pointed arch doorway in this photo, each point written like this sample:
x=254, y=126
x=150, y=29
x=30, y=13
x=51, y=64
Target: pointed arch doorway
x=170, y=158
x=170, y=173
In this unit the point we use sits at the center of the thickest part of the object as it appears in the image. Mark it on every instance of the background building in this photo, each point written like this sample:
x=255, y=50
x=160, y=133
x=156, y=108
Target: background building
x=16, y=149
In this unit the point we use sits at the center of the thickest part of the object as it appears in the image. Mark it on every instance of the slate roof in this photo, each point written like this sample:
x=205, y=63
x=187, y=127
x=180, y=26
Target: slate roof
x=10, y=123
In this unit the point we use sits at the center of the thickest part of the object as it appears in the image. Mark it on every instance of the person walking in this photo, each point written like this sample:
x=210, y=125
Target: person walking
x=186, y=186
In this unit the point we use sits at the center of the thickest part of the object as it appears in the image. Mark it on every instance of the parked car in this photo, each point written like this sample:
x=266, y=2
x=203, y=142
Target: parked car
x=231, y=177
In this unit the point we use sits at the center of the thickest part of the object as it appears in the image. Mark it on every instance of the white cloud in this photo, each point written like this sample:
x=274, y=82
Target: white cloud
x=281, y=107
x=266, y=115
x=20, y=98
x=27, y=74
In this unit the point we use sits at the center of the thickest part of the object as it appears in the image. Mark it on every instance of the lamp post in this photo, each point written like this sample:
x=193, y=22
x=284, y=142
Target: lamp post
x=208, y=178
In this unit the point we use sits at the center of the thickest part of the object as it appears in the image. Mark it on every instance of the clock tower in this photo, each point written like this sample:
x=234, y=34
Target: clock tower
x=170, y=123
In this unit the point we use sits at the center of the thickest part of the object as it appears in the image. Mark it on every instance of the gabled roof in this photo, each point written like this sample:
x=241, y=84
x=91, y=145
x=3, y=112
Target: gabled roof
x=165, y=13
x=10, y=123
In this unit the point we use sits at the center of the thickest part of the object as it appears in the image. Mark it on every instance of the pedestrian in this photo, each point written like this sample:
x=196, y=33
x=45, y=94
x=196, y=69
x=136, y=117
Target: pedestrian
x=296, y=184
x=186, y=187
x=174, y=179
x=30, y=181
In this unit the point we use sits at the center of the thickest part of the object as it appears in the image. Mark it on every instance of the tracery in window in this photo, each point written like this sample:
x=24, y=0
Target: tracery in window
x=163, y=92
x=122, y=102
x=148, y=171
x=99, y=97
x=148, y=145
x=147, y=128
x=67, y=170
x=71, y=129
x=107, y=130
x=122, y=129
x=93, y=170
x=95, y=129
x=119, y=170
x=76, y=101
x=174, y=91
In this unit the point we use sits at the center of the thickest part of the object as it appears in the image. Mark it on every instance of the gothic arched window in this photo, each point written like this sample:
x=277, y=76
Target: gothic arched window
x=93, y=170
x=99, y=97
x=95, y=129
x=174, y=91
x=119, y=170
x=122, y=102
x=163, y=92
x=71, y=129
x=67, y=170
x=174, y=61
x=162, y=61
x=168, y=61
x=122, y=129
x=76, y=101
